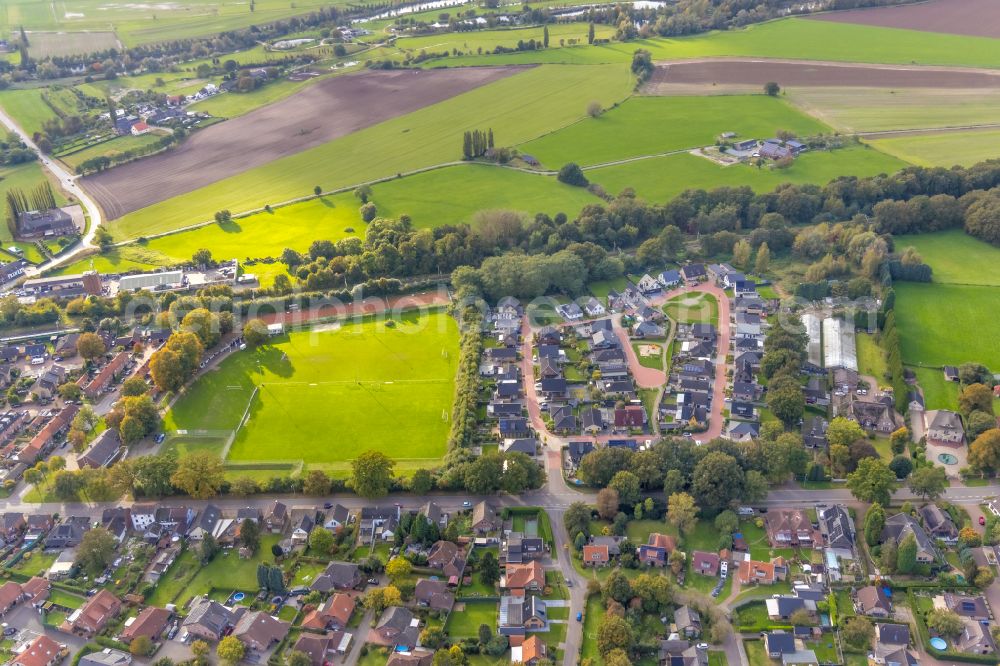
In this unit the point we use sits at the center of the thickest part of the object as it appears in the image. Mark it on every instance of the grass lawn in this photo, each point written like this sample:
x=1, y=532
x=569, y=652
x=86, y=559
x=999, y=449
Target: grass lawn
x=942, y=324
x=591, y=622
x=825, y=649
x=638, y=531
x=35, y=563
x=379, y=385
x=939, y=393
x=228, y=572
x=465, y=622
x=306, y=574
x=662, y=178
x=693, y=308
x=716, y=658
x=518, y=108
x=871, y=357
x=65, y=599
x=946, y=149
x=431, y=199
x=601, y=288
x=652, y=125
x=184, y=568
x=756, y=654
x=956, y=257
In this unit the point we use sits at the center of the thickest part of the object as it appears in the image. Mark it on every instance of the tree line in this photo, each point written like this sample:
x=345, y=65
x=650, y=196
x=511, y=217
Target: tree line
x=476, y=143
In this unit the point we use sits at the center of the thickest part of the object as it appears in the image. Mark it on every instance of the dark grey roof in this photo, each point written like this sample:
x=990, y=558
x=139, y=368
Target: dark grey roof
x=836, y=522
x=893, y=634
x=780, y=641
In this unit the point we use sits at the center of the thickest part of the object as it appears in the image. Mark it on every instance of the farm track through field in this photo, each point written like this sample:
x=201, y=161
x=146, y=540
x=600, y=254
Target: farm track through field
x=316, y=115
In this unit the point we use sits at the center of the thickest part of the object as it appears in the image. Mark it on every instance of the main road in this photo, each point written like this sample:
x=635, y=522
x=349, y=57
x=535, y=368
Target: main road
x=68, y=182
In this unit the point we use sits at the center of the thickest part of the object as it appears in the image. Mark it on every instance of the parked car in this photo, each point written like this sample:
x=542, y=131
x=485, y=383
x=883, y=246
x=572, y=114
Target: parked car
x=579, y=617
x=466, y=503
x=327, y=505
x=982, y=520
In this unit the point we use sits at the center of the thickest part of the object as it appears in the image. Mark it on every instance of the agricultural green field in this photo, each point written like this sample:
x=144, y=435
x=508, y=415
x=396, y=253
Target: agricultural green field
x=946, y=324
x=231, y=105
x=472, y=42
x=53, y=44
x=793, y=38
x=653, y=125
x=956, y=257
x=139, y=23
x=454, y=194
x=27, y=108
x=379, y=385
x=661, y=178
x=877, y=109
x=518, y=108
x=945, y=149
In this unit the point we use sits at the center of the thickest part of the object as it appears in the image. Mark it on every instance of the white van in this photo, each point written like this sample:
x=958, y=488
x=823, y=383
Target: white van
x=38, y=360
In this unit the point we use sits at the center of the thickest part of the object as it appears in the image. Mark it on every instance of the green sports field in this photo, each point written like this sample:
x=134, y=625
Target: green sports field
x=517, y=108
x=794, y=38
x=662, y=178
x=653, y=125
x=332, y=392
x=945, y=149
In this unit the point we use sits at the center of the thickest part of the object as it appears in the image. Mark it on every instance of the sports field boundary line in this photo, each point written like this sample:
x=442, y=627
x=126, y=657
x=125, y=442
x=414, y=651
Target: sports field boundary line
x=239, y=426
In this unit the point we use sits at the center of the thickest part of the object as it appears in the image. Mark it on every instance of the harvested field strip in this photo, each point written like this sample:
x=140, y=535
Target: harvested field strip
x=320, y=113
x=958, y=17
x=877, y=109
x=755, y=73
x=793, y=38
x=518, y=108
x=945, y=149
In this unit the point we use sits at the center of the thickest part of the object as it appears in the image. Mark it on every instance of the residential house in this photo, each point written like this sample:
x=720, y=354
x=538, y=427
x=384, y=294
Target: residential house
x=117, y=520
x=874, y=416
x=93, y=616
x=434, y=514
x=789, y=528
x=950, y=373
x=334, y=613
x=782, y=607
x=530, y=652
x=276, y=518
x=593, y=307
x=649, y=285
x=648, y=329
x=208, y=620
x=12, y=526
x=591, y=420
x=103, y=451
x=743, y=431
x=688, y=622
x=898, y=526
x=302, y=529
x=42, y=651
x=411, y=658
x=107, y=375
x=943, y=427
x=837, y=528
x=397, y=628
x=525, y=576
x=36, y=591
x=570, y=311
x=151, y=622
x=676, y=652
x=595, y=556
x=378, y=523
x=67, y=534
x=872, y=601
x=324, y=648
x=657, y=549
x=143, y=515
x=706, y=564
x=447, y=557
x=891, y=645
x=434, y=594
x=106, y=657
x=746, y=391
x=259, y=631
x=693, y=272
x=972, y=607
x=520, y=614
x=10, y=595
x=938, y=524
x=516, y=548
x=752, y=572
x=577, y=450
x=814, y=432
x=564, y=421
x=338, y=518
x=338, y=576
x=975, y=638
x=778, y=643
x=484, y=518
x=669, y=279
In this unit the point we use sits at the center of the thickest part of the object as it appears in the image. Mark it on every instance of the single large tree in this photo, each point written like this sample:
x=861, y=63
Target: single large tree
x=96, y=551
x=682, y=512
x=231, y=650
x=874, y=524
x=371, y=474
x=872, y=481
x=929, y=482
x=906, y=556
x=200, y=475
x=90, y=346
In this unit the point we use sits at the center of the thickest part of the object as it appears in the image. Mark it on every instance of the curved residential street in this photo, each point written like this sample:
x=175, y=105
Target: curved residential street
x=67, y=182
